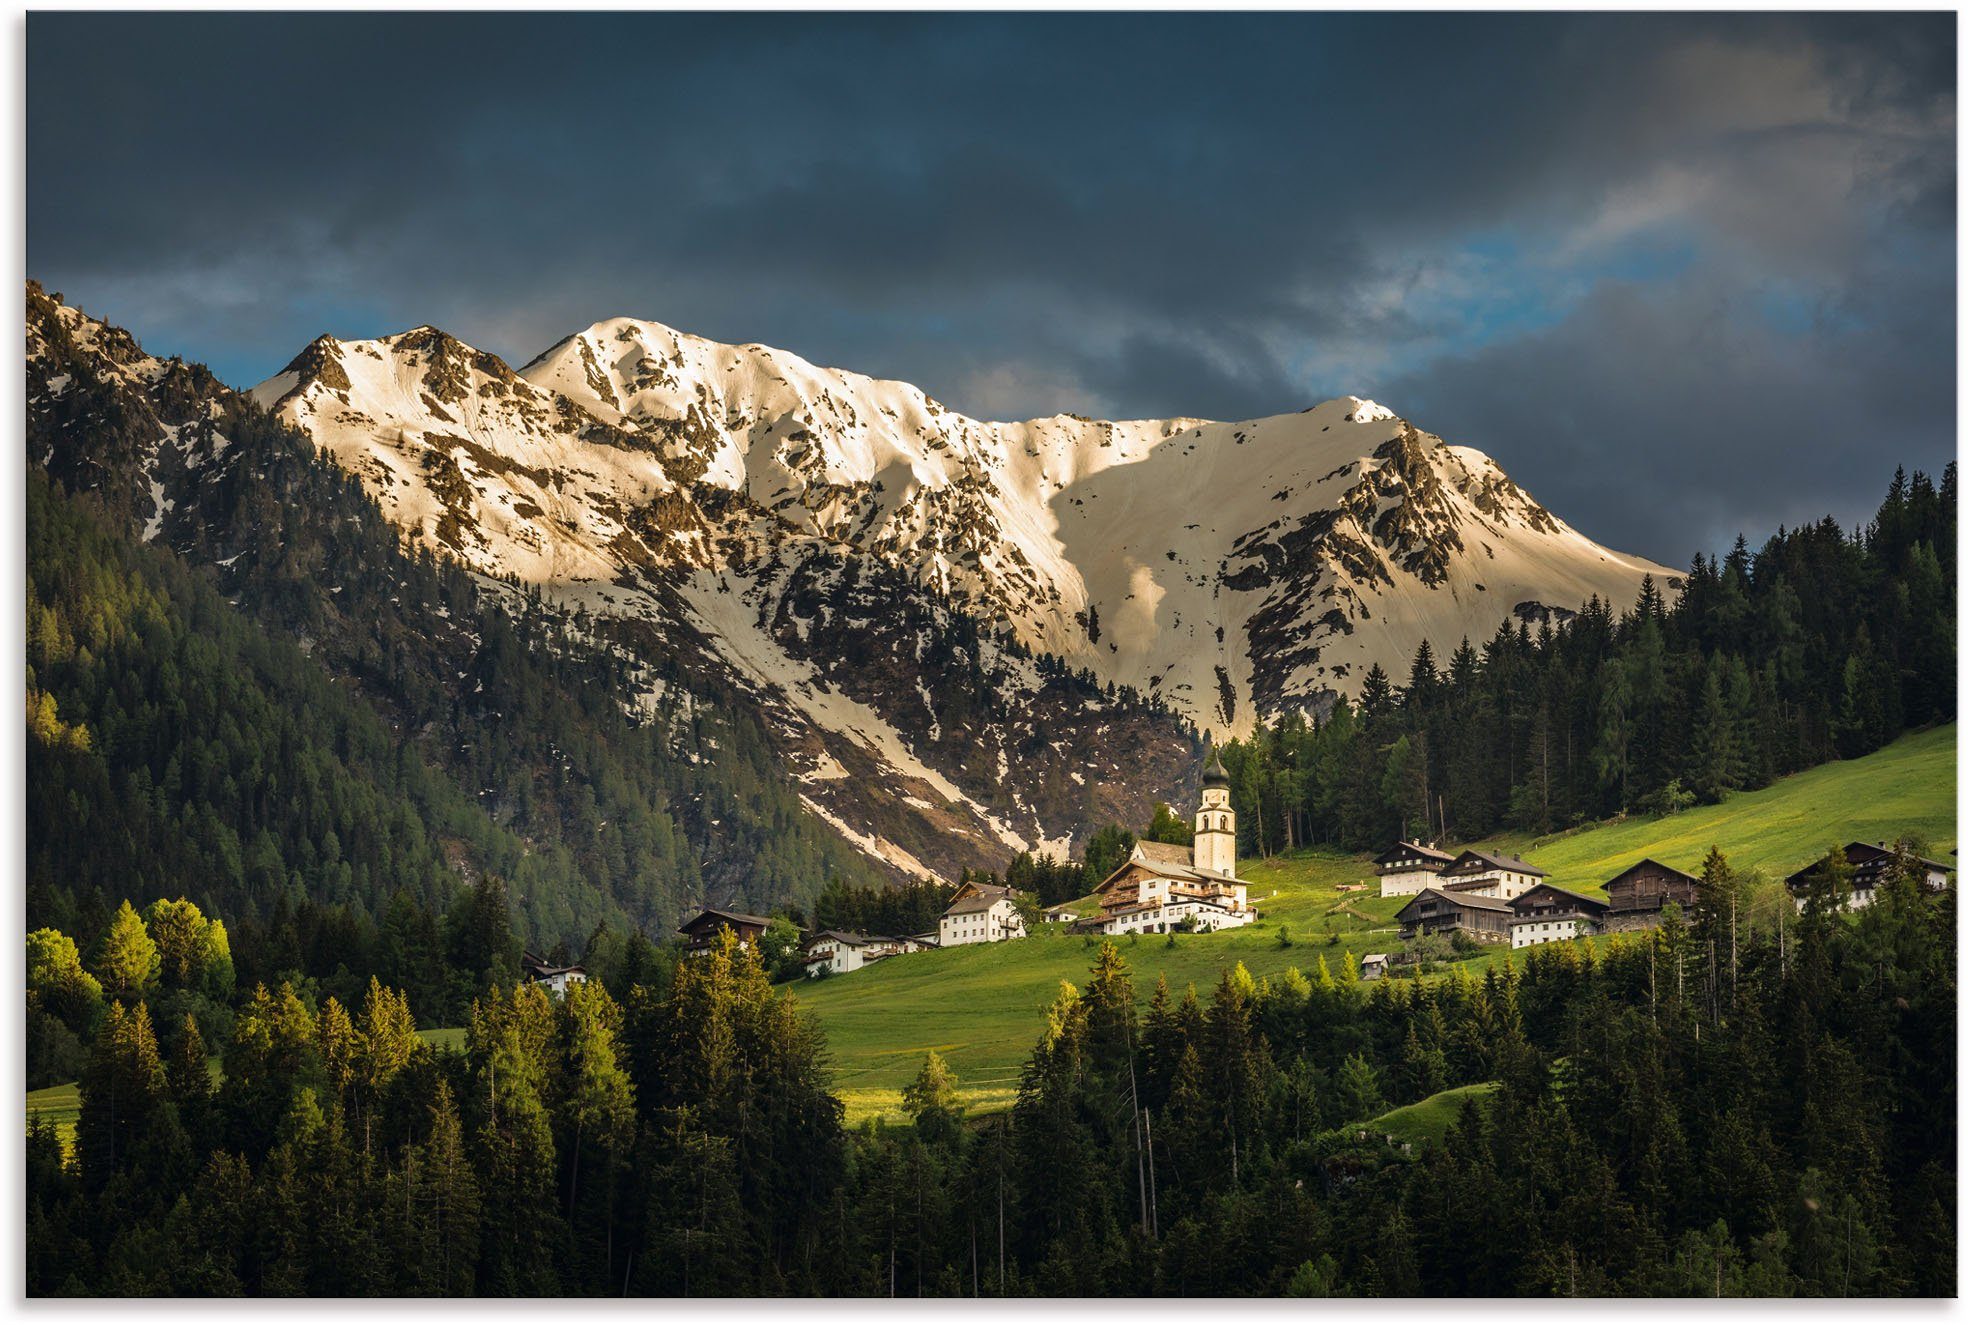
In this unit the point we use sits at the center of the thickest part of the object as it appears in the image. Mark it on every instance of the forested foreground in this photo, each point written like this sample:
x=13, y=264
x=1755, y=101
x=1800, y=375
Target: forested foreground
x=1703, y=1109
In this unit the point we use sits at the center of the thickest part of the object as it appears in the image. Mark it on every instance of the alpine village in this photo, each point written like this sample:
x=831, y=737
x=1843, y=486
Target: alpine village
x=671, y=820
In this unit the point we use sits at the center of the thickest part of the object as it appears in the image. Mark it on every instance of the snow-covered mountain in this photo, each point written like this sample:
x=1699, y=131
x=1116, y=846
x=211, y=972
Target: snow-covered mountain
x=969, y=637
x=1229, y=569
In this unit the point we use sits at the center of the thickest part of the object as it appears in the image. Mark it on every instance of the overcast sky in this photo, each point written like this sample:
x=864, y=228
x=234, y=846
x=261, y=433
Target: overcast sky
x=1680, y=275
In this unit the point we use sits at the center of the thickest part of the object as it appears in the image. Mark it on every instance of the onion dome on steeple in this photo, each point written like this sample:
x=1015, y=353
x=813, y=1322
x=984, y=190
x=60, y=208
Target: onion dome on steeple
x=1214, y=774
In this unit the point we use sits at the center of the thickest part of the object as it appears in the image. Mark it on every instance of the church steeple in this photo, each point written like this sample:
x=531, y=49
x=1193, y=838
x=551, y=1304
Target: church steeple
x=1216, y=822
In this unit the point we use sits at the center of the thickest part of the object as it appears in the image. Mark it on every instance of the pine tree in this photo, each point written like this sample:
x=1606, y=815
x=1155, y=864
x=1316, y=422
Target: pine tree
x=123, y=1086
x=931, y=1101
x=1358, y=1088
x=126, y=960
x=1714, y=762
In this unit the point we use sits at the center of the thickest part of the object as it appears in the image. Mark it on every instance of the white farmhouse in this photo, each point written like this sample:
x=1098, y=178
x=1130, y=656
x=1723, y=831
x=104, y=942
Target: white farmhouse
x=1487, y=874
x=554, y=979
x=980, y=913
x=1407, y=867
x=835, y=952
x=1160, y=888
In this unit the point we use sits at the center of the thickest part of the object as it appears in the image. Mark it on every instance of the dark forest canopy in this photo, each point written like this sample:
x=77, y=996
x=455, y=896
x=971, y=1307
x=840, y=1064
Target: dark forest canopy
x=1703, y=1109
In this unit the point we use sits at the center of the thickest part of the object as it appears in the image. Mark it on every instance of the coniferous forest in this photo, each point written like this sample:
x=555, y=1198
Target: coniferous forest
x=1704, y=1109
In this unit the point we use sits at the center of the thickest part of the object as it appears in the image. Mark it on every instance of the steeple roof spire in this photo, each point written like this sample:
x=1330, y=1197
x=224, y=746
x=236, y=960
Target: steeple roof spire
x=1214, y=774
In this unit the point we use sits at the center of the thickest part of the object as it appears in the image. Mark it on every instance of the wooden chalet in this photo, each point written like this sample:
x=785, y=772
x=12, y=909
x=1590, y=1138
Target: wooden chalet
x=1437, y=911
x=700, y=932
x=1489, y=874
x=1870, y=863
x=1635, y=896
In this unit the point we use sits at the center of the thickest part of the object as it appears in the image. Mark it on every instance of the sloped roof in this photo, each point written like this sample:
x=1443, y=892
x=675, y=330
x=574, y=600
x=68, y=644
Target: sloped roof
x=1649, y=860
x=979, y=901
x=1469, y=900
x=1404, y=850
x=1866, y=859
x=841, y=936
x=1475, y=862
x=1165, y=853
x=541, y=969
x=734, y=918
x=1592, y=904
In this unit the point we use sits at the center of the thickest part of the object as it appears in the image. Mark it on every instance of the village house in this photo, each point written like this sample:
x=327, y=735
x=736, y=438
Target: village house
x=1487, y=874
x=1373, y=966
x=1407, y=867
x=1439, y=911
x=1550, y=914
x=980, y=913
x=700, y=932
x=555, y=979
x=1636, y=895
x=1161, y=888
x=1870, y=862
x=835, y=952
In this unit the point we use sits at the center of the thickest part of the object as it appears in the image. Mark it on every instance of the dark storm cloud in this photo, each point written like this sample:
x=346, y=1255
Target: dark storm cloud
x=1510, y=227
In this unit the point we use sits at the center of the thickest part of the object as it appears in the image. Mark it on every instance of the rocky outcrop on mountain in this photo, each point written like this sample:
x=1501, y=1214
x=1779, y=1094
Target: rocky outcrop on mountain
x=849, y=674
x=818, y=539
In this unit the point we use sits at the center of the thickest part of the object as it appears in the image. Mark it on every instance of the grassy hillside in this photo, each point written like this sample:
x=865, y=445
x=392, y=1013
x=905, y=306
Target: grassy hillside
x=60, y=1105
x=981, y=1007
x=1429, y=1119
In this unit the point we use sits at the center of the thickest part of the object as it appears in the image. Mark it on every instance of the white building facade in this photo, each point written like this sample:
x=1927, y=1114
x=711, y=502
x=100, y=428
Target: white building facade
x=1407, y=867
x=833, y=952
x=980, y=913
x=1488, y=875
x=1530, y=931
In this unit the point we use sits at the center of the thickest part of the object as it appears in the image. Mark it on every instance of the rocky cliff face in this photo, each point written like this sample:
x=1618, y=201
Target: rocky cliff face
x=1229, y=569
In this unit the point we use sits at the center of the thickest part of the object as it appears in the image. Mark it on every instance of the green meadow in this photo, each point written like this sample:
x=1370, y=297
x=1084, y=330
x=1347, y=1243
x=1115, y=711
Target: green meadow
x=981, y=1006
x=1429, y=1119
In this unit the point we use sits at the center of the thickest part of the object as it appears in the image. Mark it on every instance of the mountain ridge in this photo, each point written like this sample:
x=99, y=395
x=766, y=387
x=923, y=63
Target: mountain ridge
x=995, y=515
x=969, y=638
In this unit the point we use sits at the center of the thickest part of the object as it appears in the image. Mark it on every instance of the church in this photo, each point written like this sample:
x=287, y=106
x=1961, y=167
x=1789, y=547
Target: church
x=1162, y=888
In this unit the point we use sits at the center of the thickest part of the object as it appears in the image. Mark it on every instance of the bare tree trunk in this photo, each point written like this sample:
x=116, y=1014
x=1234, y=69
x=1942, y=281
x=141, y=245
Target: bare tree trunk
x=1001, y=1263
x=1140, y=1171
